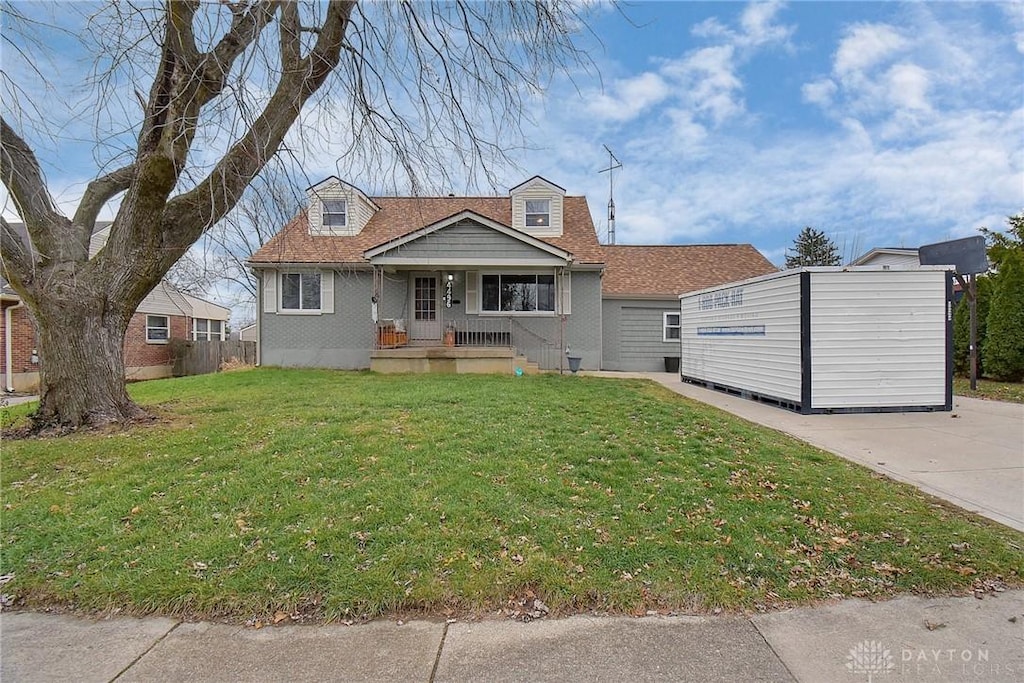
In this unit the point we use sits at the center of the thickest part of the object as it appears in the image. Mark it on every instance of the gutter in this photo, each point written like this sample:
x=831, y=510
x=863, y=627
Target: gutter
x=8, y=371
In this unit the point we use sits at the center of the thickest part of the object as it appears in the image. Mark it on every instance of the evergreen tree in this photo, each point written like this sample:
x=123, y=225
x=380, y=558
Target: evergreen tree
x=962, y=329
x=813, y=248
x=1003, y=245
x=1004, y=342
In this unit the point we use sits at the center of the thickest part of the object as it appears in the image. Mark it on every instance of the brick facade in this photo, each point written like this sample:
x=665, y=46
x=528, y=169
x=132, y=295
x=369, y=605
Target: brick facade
x=23, y=340
x=138, y=353
x=141, y=359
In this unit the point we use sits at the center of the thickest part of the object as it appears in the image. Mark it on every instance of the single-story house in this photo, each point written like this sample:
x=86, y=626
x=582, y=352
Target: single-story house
x=164, y=314
x=471, y=284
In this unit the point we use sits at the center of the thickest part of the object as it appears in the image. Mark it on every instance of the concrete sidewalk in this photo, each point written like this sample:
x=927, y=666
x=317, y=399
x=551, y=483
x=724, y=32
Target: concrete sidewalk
x=902, y=640
x=973, y=457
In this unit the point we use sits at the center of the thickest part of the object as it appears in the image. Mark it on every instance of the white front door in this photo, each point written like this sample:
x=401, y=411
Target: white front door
x=425, y=324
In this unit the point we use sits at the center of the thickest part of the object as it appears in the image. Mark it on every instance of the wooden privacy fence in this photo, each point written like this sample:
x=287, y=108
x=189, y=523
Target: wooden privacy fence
x=203, y=357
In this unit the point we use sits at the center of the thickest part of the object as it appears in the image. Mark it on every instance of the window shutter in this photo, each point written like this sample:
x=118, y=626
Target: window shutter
x=472, y=292
x=327, y=291
x=269, y=291
x=566, y=292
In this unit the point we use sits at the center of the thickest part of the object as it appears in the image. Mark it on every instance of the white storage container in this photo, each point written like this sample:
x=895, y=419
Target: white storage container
x=826, y=339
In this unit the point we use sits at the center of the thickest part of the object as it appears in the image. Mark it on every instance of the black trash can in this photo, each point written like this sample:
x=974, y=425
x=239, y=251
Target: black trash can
x=671, y=363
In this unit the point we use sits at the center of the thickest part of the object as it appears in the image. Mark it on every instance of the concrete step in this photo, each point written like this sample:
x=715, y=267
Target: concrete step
x=528, y=366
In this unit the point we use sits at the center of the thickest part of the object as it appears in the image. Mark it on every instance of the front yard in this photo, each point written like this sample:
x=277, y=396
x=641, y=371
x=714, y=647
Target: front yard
x=329, y=495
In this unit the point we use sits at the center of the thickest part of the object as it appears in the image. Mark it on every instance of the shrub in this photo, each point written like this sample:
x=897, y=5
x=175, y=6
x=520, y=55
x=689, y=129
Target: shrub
x=1004, y=339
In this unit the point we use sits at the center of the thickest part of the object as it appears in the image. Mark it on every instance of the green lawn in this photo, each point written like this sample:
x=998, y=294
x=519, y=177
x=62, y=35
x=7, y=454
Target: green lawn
x=990, y=389
x=345, y=495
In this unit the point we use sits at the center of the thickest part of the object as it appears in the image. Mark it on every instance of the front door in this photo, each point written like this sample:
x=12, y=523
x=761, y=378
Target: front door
x=426, y=322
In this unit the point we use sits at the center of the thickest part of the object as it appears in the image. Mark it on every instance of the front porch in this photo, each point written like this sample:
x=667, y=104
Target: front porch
x=451, y=359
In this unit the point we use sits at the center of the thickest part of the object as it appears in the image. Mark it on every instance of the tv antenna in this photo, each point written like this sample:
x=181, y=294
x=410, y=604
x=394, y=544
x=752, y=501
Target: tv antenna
x=613, y=163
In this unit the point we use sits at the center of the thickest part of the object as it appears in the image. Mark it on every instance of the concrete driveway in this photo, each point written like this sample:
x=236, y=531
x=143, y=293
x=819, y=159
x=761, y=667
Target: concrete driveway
x=972, y=457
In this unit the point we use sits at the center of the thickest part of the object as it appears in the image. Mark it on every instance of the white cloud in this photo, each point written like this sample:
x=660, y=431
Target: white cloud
x=759, y=27
x=908, y=86
x=864, y=46
x=820, y=92
x=629, y=97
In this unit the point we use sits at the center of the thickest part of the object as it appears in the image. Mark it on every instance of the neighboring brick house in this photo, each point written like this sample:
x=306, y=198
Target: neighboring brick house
x=470, y=284
x=164, y=314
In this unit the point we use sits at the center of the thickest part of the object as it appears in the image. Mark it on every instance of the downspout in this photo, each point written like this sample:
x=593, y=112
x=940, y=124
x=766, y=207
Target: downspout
x=8, y=372
x=259, y=315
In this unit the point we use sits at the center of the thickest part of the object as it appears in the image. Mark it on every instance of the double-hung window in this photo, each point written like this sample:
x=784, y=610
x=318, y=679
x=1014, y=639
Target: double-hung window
x=204, y=329
x=670, y=327
x=538, y=213
x=300, y=292
x=513, y=292
x=335, y=213
x=158, y=329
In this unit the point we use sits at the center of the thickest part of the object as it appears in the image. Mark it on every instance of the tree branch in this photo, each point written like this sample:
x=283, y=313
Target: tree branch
x=23, y=178
x=190, y=214
x=15, y=256
x=98, y=193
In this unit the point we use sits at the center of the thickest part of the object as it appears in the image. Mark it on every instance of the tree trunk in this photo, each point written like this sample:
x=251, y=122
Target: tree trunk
x=81, y=357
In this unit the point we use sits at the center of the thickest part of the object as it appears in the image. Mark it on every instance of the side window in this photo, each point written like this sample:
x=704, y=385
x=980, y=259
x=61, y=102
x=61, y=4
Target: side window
x=158, y=329
x=670, y=327
x=300, y=291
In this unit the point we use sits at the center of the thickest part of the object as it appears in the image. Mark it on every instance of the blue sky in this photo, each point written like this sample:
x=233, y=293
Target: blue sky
x=884, y=124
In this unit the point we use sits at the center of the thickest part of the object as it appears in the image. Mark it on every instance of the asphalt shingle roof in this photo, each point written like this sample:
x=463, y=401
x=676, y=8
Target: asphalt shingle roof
x=664, y=270
x=671, y=270
x=399, y=216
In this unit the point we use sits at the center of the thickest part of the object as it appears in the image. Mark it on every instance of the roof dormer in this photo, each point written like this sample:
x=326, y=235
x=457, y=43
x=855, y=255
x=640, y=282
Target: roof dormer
x=338, y=209
x=537, y=207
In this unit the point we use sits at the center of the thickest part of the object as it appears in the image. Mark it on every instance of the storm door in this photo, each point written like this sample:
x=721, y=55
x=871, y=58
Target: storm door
x=425, y=323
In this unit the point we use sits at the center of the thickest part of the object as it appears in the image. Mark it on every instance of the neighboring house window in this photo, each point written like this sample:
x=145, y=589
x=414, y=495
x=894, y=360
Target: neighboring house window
x=206, y=330
x=538, y=213
x=158, y=329
x=300, y=291
x=516, y=292
x=335, y=213
x=670, y=327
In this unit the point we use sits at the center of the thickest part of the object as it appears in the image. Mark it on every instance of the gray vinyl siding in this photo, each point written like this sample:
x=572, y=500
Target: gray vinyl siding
x=768, y=364
x=878, y=339
x=345, y=339
x=339, y=340
x=466, y=240
x=633, y=334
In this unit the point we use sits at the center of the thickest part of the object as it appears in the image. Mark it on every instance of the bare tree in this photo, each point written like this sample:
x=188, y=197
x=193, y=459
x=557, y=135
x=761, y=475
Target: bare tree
x=217, y=260
x=409, y=86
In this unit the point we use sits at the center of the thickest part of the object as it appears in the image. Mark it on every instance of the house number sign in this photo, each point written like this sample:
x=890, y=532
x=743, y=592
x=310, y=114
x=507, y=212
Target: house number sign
x=448, y=294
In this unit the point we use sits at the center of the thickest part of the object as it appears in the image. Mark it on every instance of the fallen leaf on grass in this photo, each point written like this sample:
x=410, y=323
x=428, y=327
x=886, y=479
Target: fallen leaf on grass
x=280, y=616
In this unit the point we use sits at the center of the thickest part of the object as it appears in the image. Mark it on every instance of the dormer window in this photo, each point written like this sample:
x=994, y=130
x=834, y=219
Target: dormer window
x=335, y=213
x=538, y=213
